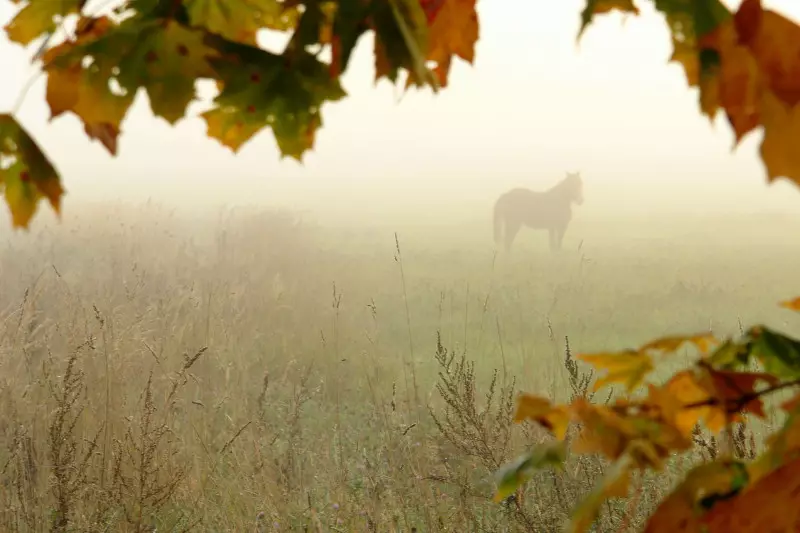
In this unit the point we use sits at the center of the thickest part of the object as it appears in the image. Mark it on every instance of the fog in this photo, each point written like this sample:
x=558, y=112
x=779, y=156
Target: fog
x=534, y=106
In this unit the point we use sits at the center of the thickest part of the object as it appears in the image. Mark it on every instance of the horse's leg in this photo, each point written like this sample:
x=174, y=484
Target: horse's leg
x=512, y=228
x=553, y=234
x=560, y=237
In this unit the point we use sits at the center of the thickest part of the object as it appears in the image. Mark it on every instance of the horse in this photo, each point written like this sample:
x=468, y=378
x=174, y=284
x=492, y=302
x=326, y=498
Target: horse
x=551, y=210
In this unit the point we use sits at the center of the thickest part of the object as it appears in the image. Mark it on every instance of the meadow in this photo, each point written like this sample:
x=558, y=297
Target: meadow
x=252, y=371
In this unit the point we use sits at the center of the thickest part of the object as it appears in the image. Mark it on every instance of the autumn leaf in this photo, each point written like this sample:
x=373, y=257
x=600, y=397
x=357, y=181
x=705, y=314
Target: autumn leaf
x=26, y=175
x=615, y=484
x=783, y=444
x=628, y=367
x=774, y=42
x=513, y=475
x=768, y=504
x=555, y=418
x=687, y=389
x=731, y=355
x=401, y=41
x=688, y=22
x=598, y=7
x=39, y=17
x=779, y=354
x=702, y=341
x=736, y=391
x=454, y=32
x=162, y=56
x=779, y=147
x=793, y=304
x=240, y=20
x=350, y=22
x=682, y=510
x=259, y=90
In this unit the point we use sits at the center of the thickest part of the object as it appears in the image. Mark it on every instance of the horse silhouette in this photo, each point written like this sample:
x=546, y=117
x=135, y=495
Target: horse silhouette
x=550, y=210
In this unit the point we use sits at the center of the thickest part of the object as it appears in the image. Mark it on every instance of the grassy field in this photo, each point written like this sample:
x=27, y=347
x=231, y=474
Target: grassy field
x=247, y=372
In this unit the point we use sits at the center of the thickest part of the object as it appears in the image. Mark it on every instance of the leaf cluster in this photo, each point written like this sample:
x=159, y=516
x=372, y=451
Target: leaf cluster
x=163, y=47
x=641, y=432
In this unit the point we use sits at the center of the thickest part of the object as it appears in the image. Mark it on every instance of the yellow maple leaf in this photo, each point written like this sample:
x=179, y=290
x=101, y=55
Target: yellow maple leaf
x=555, y=418
x=687, y=389
x=629, y=367
x=702, y=341
x=26, y=176
x=793, y=304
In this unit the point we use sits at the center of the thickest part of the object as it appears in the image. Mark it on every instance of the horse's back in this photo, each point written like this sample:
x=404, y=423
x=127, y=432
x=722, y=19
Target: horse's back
x=533, y=208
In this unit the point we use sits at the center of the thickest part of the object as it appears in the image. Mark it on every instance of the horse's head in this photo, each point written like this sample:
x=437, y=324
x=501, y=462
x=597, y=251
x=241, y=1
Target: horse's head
x=575, y=186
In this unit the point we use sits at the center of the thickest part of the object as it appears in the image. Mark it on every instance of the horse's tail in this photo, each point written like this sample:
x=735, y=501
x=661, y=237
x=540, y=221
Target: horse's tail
x=498, y=219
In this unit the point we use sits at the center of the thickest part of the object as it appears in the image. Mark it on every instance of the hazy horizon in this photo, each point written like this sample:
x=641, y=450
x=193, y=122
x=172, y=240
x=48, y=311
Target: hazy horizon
x=533, y=106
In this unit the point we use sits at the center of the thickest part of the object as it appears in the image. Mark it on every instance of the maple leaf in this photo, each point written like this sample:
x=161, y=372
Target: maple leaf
x=783, y=444
x=39, y=17
x=162, y=56
x=453, y=32
x=688, y=22
x=240, y=20
x=793, y=304
x=615, y=484
x=26, y=175
x=84, y=89
x=555, y=418
x=779, y=354
x=629, y=367
x=779, y=147
x=260, y=89
x=401, y=41
x=688, y=389
x=431, y=8
x=736, y=390
x=768, y=504
x=598, y=7
x=774, y=42
x=513, y=475
x=682, y=510
x=702, y=341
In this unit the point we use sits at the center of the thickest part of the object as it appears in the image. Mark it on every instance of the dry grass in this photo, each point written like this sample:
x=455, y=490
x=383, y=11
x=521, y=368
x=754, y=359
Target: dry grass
x=251, y=373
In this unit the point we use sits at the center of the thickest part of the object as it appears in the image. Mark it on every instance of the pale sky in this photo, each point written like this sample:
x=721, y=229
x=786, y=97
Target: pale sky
x=534, y=106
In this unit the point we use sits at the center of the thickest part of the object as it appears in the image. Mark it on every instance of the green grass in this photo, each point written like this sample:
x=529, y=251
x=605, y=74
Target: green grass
x=302, y=413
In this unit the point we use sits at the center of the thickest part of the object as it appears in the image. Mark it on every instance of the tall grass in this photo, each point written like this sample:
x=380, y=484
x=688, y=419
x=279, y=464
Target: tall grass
x=252, y=372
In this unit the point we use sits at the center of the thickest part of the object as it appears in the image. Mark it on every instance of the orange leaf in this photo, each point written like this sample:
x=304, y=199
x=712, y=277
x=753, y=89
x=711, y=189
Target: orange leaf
x=774, y=42
x=794, y=305
x=680, y=512
x=686, y=388
x=454, y=32
x=555, y=418
x=769, y=504
x=781, y=131
x=702, y=341
x=603, y=430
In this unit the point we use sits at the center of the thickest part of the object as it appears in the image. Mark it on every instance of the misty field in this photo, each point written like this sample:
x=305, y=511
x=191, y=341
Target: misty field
x=248, y=371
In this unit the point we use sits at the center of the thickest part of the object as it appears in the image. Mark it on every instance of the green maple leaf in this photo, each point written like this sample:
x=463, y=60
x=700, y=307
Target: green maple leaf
x=26, y=175
x=160, y=55
x=240, y=20
x=38, y=17
x=401, y=40
x=261, y=89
